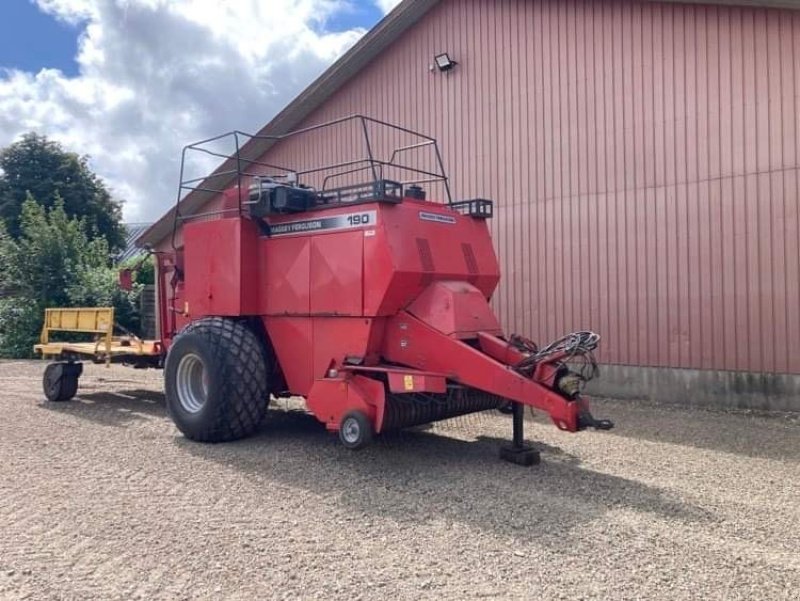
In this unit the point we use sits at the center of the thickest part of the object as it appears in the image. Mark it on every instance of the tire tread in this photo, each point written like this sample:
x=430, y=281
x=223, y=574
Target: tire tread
x=240, y=353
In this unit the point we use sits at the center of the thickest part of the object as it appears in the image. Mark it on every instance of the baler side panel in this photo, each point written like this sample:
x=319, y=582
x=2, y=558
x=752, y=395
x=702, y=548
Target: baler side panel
x=418, y=243
x=339, y=338
x=430, y=239
x=337, y=278
x=380, y=270
x=221, y=267
x=307, y=347
x=286, y=268
x=457, y=309
x=292, y=339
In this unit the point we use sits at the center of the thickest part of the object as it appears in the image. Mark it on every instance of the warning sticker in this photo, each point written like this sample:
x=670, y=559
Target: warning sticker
x=408, y=382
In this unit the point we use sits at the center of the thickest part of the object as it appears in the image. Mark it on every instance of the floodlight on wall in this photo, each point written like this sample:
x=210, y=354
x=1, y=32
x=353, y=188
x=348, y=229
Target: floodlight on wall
x=443, y=62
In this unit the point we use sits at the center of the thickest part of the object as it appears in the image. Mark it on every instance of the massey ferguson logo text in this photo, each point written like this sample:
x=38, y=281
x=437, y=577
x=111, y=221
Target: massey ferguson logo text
x=436, y=217
x=296, y=227
x=338, y=222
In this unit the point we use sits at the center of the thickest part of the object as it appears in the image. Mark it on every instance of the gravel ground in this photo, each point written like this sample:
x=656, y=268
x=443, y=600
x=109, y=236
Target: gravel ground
x=101, y=498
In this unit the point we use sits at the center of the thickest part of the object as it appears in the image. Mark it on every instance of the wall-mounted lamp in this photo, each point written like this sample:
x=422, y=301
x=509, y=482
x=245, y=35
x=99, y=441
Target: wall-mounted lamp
x=443, y=62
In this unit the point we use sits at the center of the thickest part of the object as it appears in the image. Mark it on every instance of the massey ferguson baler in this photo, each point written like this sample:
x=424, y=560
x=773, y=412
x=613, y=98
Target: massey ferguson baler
x=366, y=299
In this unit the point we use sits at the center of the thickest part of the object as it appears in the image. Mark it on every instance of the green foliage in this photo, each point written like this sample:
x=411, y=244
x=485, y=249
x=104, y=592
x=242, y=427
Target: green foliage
x=41, y=168
x=6, y=248
x=52, y=254
x=144, y=270
x=55, y=263
x=20, y=324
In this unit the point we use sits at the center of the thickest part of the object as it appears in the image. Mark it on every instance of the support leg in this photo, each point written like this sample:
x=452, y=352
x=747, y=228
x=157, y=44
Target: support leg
x=518, y=452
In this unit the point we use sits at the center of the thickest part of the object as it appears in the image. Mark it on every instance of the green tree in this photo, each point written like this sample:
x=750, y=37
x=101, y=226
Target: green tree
x=6, y=248
x=55, y=262
x=41, y=168
x=52, y=254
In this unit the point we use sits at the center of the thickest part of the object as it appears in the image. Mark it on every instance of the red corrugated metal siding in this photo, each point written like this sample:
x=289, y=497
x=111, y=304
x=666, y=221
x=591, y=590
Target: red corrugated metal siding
x=644, y=161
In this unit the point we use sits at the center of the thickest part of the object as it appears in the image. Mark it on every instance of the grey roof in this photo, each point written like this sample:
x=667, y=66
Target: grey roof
x=389, y=29
x=132, y=233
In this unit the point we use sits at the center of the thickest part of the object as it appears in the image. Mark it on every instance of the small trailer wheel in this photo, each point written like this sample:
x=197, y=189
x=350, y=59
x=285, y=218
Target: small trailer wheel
x=60, y=381
x=355, y=431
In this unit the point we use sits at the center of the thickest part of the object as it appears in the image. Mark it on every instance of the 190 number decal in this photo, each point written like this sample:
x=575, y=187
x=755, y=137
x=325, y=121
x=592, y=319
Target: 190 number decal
x=358, y=219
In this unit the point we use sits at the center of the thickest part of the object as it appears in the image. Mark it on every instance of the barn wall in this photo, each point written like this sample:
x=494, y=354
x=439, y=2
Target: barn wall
x=643, y=158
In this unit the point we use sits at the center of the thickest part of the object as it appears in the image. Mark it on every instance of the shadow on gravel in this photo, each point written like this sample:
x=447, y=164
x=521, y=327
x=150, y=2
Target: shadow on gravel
x=749, y=435
x=112, y=408
x=414, y=477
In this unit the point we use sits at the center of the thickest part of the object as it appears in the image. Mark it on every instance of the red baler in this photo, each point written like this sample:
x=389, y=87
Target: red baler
x=368, y=300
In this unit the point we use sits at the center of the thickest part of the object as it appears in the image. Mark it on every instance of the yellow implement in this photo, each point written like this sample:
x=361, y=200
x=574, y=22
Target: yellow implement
x=94, y=320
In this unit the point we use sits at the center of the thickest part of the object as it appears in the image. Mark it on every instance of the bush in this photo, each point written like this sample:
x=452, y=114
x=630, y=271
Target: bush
x=20, y=326
x=55, y=263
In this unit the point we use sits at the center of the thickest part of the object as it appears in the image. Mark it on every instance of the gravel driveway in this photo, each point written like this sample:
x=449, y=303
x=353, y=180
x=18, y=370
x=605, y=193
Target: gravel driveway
x=101, y=498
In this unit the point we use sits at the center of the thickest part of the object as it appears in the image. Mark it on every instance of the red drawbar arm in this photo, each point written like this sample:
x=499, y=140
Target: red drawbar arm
x=411, y=342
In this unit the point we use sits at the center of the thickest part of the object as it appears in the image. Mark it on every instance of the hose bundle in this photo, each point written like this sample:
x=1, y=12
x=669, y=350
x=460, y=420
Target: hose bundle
x=576, y=349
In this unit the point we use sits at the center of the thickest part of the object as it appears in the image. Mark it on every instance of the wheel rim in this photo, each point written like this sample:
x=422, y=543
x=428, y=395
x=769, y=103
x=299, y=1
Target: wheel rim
x=351, y=430
x=192, y=383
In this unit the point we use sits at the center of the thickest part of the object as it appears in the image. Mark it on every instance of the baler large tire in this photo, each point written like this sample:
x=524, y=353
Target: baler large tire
x=216, y=380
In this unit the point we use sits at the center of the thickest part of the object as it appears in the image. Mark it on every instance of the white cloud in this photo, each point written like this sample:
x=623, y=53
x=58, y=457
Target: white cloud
x=387, y=5
x=157, y=74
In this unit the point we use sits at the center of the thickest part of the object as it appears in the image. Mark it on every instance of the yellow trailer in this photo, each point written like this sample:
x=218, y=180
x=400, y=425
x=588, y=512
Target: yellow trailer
x=61, y=377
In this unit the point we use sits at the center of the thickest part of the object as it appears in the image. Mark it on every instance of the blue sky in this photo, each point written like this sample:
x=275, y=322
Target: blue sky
x=361, y=14
x=31, y=40
x=129, y=82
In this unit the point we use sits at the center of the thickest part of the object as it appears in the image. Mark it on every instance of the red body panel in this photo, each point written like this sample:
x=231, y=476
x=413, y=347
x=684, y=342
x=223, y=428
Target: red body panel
x=284, y=287
x=292, y=339
x=220, y=270
x=410, y=250
x=456, y=309
x=336, y=274
x=371, y=270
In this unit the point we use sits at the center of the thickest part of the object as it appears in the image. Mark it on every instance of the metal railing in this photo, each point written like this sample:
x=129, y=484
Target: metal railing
x=240, y=169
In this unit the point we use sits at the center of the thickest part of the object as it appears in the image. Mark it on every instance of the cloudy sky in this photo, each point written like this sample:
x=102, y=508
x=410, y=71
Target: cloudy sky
x=129, y=82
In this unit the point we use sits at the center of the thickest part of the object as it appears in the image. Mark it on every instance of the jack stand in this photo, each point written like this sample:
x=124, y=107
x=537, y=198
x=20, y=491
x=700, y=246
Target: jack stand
x=518, y=452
